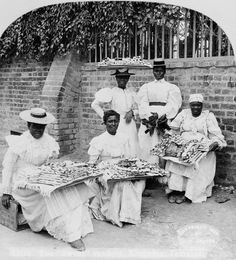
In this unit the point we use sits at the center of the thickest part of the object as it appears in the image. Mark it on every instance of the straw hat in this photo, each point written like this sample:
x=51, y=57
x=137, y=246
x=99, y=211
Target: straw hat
x=37, y=115
x=159, y=63
x=120, y=73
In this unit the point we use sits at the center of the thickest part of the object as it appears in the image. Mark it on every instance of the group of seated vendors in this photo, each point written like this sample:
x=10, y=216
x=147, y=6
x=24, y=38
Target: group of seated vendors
x=134, y=124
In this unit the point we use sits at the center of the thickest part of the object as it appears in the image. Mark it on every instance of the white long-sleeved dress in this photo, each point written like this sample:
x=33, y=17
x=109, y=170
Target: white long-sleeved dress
x=121, y=201
x=65, y=213
x=167, y=98
x=197, y=182
x=122, y=101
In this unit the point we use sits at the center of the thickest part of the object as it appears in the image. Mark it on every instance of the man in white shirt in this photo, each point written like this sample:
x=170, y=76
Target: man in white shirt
x=158, y=102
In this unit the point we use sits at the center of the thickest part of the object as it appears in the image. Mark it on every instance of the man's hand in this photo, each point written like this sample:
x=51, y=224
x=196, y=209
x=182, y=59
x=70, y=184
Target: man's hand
x=213, y=146
x=6, y=198
x=128, y=116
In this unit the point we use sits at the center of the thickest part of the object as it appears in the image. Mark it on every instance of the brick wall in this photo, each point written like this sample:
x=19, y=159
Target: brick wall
x=60, y=96
x=215, y=78
x=66, y=88
x=21, y=84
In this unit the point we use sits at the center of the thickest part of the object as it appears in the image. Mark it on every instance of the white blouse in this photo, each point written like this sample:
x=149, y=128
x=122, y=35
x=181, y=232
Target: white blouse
x=159, y=91
x=106, y=147
x=195, y=127
x=25, y=151
x=121, y=100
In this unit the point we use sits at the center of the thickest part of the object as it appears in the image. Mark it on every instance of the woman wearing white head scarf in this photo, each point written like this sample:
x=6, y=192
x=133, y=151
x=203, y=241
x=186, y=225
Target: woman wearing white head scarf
x=195, y=183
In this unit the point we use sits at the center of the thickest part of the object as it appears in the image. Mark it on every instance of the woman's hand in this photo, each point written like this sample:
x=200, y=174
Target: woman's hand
x=213, y=146
x=128, y=116
x=153, y=119
x=6, y=198
x=54, y=155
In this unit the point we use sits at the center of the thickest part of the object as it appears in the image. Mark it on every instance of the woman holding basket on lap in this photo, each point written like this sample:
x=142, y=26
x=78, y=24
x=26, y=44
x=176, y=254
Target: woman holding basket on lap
x=65, y=213
x=190, y=182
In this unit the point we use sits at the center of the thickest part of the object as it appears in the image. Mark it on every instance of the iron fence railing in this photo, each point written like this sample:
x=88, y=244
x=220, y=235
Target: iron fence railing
x=194, y=36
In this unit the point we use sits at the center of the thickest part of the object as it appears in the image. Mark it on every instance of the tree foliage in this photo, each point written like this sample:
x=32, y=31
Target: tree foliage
x=59, y=29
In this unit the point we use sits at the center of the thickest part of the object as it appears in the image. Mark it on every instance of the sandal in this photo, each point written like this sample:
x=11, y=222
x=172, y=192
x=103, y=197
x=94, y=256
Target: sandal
x=171, y=198
x=180, y=199
x=78, y=244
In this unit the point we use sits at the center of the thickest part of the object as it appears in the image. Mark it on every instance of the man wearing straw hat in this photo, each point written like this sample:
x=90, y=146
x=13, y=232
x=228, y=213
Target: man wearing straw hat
x=158, y=102
x=123, y=101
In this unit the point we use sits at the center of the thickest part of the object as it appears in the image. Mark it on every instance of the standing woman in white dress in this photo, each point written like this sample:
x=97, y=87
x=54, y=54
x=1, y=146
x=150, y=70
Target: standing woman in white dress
x=65, y=213
x=156, y=100
x=123, y=101
x=195, y=182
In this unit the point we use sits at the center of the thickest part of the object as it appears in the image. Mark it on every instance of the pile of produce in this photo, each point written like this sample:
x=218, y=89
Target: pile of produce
x=186, y=151
x=170, y=145
x=129, y=62
x=130, y=169
x=58, y=173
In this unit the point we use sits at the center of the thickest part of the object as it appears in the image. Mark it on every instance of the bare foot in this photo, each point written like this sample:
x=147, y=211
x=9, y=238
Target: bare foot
x=78, y=244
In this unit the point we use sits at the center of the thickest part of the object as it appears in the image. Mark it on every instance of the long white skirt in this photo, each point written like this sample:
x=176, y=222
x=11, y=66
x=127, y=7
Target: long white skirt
x=130, y=130
x=146, y=143
x=196, y=182
x=64, y=214
x=120, y=202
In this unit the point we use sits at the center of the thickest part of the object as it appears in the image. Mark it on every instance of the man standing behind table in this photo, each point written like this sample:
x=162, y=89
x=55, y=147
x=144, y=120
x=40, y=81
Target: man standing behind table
x=123, y=101
x=158, y=102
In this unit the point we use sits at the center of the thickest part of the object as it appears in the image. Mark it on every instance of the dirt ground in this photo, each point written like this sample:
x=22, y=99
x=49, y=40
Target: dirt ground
x=167, y=231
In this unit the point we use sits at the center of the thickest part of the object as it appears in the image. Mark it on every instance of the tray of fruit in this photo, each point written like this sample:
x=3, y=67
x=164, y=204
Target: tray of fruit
x=56, y=175
x=130, y=169
x=176, y=149
x=124, y=63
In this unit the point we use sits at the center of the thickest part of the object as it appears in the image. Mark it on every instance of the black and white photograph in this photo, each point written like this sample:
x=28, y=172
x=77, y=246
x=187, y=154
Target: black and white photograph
x=118, y=130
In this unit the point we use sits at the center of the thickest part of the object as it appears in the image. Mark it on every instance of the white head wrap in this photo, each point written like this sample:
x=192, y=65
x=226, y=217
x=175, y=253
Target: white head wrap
x=196, y=98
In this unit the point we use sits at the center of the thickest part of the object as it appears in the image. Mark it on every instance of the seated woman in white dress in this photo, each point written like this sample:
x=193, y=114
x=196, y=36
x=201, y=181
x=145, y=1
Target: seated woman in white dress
x=65, y=213
x=191, y=182
x=117, y=202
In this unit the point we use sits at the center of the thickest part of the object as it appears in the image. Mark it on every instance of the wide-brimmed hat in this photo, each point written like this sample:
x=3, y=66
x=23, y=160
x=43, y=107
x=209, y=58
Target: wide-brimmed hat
x=196, y=98
x=125, y=73
x=159, y=63
x=37, y=115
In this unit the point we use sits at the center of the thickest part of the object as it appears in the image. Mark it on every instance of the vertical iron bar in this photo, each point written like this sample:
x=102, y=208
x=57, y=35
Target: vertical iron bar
x=202, y=36
x=219, y=41
x=185, y=35
x=228, y=47
x=155, y=41
x=149, y=42
x=171, y=46
x=100, y=50
x=130, y=46
x=96, y=53
x=177, y=38
x=106, y=49
x=163, y=41
x=211, y=36
x=194, y=33
x=136, y=41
